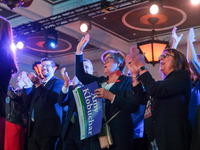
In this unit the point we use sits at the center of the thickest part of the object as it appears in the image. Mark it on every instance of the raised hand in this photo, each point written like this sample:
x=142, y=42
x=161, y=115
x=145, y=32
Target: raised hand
x=137, y=58
x=131, y=66
x=81, y=45
x=191, y=35
x=176, y=39
x=65, y=76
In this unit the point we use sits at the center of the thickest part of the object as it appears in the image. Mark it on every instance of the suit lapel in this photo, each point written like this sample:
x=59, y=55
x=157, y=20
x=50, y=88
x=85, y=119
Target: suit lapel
x=49, y=84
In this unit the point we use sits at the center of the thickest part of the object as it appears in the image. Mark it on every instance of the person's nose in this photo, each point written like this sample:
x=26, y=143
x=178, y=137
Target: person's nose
x=161, y=57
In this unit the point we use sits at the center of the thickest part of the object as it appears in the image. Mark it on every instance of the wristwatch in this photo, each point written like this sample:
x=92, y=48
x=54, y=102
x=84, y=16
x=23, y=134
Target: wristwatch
x=143, y=68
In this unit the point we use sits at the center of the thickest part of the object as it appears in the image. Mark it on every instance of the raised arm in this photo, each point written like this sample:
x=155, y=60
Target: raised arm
x=191, y=54
x=176, y=39
x=83, y=77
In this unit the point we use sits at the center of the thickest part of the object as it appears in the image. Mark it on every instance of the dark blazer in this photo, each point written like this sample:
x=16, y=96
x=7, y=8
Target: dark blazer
x=121, y=126
x=68, y=100
x=15, y=112
x=5, y=75
x=47, y=112
x=169, y=108
x=195, y=144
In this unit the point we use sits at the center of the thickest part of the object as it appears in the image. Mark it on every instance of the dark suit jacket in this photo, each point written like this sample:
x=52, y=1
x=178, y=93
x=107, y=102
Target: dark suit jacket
x=47, y=112
x=195, y=144
x=5, y=75
x=68, y=100
x=169, y=108
x=121, y=126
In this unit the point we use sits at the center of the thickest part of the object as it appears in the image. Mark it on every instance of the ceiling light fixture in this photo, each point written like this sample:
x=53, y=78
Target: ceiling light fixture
x=155, y=5
x=51, y=39
x=152, y=48
x=85, y=24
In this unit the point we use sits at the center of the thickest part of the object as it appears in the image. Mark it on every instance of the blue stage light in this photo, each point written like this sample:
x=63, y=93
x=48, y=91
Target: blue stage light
x=53, y=45
x=20, y=45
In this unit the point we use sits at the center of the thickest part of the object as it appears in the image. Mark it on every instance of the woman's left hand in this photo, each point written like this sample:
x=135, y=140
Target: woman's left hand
x=134, y=60
x=131, y=66
x=103, y=93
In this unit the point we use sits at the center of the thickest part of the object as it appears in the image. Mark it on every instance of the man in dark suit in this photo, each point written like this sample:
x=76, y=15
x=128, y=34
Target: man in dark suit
x=45, y=113
x=71, y=129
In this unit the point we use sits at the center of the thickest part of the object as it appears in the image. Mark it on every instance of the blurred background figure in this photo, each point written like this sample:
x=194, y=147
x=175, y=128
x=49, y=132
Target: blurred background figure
x=139, y=142
x=16, y=116
x=8, y=67
x=194, y=105
x=193, y=60
x=166, y=115
x=115, y=88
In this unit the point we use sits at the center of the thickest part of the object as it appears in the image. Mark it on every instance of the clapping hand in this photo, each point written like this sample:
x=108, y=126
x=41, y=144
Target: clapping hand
x=134, y=60
x=81, y=45
x=35, y=79
x=24, y=81
x=176, y=39
x=65, y=77
x=191, y=35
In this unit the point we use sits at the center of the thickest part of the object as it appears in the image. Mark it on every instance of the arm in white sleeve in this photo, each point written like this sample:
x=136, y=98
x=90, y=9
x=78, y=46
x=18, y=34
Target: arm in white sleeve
x=191, y=54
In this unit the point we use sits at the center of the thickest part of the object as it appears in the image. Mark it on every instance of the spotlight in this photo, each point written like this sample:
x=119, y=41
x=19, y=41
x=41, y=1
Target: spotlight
x=13, y=47
x=50, y=43
x=154, y=9
x=20, y=45
x=51, y=39
x=195, y=2
x=85, y=25
x=154, y=6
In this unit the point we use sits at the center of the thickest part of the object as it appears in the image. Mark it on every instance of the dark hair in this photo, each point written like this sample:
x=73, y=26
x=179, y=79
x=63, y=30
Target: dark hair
x=118, y=56
x=180, y=61
x=5, y=44
x=48, y=59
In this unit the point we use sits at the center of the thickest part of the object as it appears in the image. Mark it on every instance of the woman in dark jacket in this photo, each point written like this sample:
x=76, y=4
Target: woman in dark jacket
x=8, y=67
x=116, y=90
x=166, y=115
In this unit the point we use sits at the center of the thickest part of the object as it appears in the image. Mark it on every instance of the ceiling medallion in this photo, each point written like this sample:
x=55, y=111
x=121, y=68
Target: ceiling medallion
x=139, y=21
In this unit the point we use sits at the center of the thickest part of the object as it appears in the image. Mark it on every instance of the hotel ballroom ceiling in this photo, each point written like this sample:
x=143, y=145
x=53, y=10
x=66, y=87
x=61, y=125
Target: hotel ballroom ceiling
x=117, y=29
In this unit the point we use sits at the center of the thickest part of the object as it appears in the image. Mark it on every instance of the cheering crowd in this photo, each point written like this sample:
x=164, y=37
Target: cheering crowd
x=144, y=114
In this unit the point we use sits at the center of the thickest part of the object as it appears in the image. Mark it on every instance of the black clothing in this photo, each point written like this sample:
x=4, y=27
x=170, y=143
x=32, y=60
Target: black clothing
x=5, y=75
x=169, y=108
x=195, y=144
x=15, y=112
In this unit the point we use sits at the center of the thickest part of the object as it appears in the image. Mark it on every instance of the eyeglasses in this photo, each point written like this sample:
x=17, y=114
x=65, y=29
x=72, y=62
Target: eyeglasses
x=165, y=55
x=107, y=60
x=47, y=66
